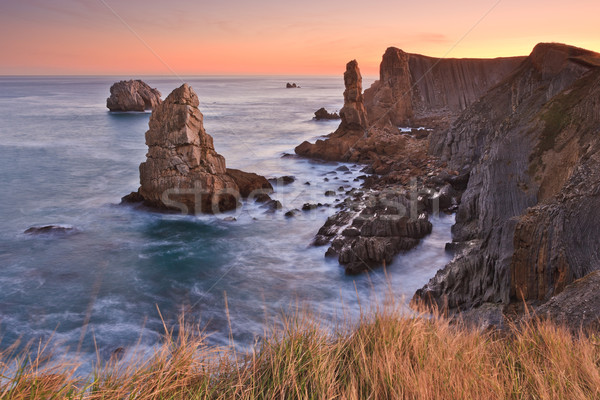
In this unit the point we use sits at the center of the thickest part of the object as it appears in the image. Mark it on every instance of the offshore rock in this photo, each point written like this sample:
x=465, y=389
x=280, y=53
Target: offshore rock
x=132, y=96
x=182, y=171
x=322, y=113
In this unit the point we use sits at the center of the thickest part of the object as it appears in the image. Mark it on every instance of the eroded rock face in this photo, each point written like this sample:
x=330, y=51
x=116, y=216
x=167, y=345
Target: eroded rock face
x=413, y=87
x=352, y=128
x=577, y=306
x=182, y=171
x=530, y=209
x=133, y=95
x=389, y=100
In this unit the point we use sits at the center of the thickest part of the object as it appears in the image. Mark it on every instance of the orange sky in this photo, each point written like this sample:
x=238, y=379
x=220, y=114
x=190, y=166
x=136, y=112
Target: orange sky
x=139, y=37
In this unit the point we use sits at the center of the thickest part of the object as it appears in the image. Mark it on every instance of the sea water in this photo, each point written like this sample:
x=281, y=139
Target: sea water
x=66, y=160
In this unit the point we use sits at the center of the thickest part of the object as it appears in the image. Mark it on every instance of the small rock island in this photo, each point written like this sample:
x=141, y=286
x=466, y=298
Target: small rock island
x=132, y=95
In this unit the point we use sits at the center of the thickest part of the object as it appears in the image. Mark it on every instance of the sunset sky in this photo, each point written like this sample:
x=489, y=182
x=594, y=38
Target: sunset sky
x=274, y=36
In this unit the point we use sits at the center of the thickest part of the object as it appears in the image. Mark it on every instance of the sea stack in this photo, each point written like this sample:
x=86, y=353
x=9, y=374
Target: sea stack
x=353, y=126
x=183, y=172
x=353, y=114
x=132, y=96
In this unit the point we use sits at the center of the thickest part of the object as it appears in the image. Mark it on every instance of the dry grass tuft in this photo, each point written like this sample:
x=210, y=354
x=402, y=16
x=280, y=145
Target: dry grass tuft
x=387, y=355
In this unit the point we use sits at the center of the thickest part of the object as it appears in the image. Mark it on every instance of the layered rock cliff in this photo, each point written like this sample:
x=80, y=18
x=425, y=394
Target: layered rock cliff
x=182, y=171
x=412, y=87
x=132, y=96
x=529, y=216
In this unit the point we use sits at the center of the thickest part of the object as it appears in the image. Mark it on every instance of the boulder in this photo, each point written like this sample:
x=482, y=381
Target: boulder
x=132, y=95
x=182, y=171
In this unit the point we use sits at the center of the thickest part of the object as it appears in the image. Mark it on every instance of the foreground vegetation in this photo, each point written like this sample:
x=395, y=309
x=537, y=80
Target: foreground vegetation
x=387, y=355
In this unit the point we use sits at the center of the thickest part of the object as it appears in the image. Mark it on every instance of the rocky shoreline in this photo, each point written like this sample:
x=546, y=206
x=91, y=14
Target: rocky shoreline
x=511, y=145
x=511, y=148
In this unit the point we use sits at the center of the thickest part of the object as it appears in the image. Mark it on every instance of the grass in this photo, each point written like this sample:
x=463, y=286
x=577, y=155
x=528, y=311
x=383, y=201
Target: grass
x=386, y=355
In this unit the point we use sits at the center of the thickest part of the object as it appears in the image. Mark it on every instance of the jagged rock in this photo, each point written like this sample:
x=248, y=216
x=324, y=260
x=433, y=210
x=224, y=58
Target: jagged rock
x=291, y=85
x=532, y=146
x=322, y=113
x=331, y=227
x=352, y=127
x=375, y=240
x=132, y=96
x=182, y=171
x=371, y=235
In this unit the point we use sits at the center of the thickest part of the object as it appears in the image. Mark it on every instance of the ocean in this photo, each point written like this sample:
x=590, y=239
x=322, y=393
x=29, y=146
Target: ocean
x=66, y=160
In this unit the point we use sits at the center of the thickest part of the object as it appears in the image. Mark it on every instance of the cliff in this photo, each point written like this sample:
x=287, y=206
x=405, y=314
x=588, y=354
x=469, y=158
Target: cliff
x=529, y=216
x=412, y=90
x=413, y=87
x=183, y=172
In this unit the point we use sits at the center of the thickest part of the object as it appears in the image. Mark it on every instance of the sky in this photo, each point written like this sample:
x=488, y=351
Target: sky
x=185, y=37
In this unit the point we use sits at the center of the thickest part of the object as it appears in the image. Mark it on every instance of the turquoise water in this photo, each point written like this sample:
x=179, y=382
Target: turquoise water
x=64, y=159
